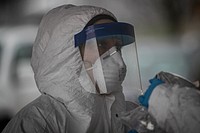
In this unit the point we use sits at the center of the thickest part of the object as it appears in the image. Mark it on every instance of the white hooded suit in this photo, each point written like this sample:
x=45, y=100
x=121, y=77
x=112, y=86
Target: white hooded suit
x=65, y=106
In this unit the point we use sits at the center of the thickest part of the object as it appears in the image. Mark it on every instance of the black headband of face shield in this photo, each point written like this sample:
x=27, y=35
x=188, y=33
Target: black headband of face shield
x=99, y=17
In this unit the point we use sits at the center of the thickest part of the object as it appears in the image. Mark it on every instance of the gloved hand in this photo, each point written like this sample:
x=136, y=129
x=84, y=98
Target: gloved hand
x=144, y=99
x=139, y=120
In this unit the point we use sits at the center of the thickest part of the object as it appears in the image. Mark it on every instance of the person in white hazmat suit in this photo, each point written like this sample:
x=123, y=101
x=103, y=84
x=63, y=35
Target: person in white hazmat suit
x=78, y=68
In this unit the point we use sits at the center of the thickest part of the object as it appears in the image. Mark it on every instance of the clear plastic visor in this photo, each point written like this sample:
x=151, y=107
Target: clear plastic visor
x=111, y=65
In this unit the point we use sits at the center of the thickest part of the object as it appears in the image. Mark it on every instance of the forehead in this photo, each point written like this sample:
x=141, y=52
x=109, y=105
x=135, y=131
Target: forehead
x=102, y=21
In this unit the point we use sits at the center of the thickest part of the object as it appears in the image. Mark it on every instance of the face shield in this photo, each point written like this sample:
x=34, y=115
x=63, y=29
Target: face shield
x=109, y=59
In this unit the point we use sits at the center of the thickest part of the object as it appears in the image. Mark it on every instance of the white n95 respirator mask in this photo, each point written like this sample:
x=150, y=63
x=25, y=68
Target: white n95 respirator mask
x=109, y=71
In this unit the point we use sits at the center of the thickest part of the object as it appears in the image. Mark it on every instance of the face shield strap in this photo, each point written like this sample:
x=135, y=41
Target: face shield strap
x=125, y=31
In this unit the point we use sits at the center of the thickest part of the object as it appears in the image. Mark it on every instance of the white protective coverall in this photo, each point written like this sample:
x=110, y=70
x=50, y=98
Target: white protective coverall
x=65, y=106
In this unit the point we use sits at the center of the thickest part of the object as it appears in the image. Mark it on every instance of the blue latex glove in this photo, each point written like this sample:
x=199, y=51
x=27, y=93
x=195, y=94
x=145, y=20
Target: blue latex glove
x=144, y=99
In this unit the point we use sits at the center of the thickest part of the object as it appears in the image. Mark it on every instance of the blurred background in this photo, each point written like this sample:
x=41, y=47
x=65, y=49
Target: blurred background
x=167, y=36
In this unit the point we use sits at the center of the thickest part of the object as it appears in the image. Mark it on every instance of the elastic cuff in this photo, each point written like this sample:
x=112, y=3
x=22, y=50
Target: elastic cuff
x=144, y=99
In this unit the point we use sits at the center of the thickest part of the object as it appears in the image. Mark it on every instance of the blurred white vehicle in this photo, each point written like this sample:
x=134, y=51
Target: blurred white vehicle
x=17, y=85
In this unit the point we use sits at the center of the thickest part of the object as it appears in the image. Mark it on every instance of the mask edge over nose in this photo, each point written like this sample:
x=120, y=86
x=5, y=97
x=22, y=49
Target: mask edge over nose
x=105, y=68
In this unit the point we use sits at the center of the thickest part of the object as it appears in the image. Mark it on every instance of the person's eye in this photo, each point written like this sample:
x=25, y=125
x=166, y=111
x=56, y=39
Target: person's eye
x=102, y=45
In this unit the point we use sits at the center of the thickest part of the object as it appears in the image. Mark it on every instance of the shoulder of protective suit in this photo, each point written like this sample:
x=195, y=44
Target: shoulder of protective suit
x=38, y=116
